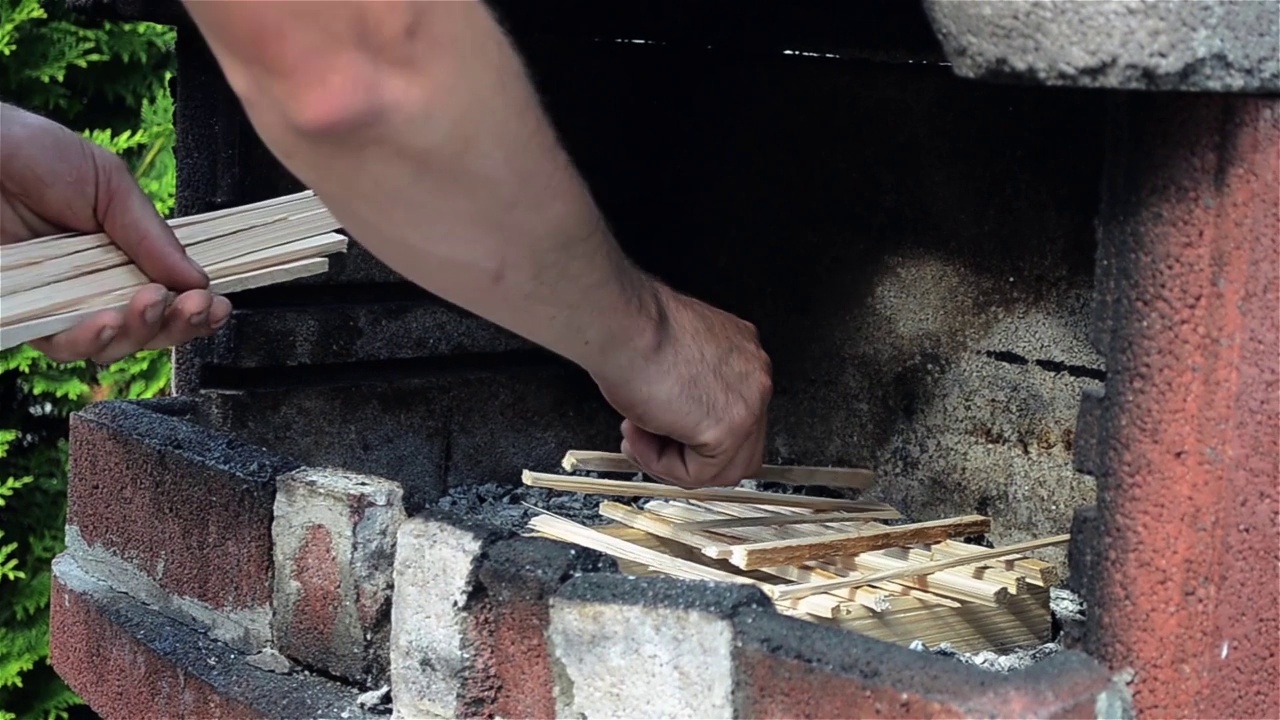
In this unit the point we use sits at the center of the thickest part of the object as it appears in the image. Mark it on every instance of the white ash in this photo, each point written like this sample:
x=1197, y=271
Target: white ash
x=378, y=701
x=1068, y=612
x=1066, y=606
x=503, y=504
x=1015, y=659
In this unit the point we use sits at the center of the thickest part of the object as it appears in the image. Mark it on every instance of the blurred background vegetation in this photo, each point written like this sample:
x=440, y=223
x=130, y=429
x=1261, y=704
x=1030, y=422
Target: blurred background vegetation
x=111, y=82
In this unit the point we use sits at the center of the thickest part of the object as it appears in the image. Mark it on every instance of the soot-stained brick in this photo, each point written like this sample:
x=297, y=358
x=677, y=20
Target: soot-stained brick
x=334, y=543
x=790, y=667
x=128, y=661
x=190, y=508
x=1182, y=590
x=511, y=673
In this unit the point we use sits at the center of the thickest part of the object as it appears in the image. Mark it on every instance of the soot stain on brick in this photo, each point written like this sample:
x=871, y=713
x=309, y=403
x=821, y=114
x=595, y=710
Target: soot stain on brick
x=196, y=443
x=850, y=654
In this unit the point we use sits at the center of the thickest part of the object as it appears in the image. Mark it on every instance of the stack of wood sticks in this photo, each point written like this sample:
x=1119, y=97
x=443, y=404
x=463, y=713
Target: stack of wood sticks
x=828, y=561
x=50, y=284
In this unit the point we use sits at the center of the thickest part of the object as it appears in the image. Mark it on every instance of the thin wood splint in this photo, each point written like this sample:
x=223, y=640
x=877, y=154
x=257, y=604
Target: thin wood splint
x=50, y=284
x=851, y=478
x=833, y=566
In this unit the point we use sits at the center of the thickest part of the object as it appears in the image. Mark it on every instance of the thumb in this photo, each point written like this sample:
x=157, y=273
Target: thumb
x=665, y=458
x=129, y=218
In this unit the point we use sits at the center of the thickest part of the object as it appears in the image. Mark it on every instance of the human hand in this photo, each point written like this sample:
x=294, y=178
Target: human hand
x=695, y=405
x=52, y=181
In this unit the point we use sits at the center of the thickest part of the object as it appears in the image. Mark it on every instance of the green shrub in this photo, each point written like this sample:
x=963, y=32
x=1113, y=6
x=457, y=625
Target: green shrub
x=110, y=81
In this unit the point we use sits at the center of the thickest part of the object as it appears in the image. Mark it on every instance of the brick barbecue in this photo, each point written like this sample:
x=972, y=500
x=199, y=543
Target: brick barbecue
x=1023, y=259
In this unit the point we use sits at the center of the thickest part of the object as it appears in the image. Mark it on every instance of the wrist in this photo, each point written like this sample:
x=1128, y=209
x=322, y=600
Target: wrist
x=634, y=326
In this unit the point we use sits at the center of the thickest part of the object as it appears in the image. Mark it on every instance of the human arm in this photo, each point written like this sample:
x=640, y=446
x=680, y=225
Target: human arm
x=52, y=181
x=416, y=124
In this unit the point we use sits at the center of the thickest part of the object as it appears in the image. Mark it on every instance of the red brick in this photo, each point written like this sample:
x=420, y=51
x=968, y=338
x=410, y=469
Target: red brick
x=315, y=615
x=790, y=668
x=118, y=676
x=432, y=661
x=774, y=687
x=1187, y=580
x=334, y=535
x=511, y=674
x=127, y=661
x=188, y=508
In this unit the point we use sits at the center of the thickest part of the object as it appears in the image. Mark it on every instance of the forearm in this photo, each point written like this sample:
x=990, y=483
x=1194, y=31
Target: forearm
x=415, y=124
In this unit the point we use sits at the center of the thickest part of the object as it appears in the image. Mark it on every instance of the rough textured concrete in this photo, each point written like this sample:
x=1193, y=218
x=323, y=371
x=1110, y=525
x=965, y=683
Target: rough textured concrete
x=128, y=662
x=791, y=668
x=923, y=295
x=1000, y=406
x=1219, y=46
x=437, y=557
x=625, y=647
x=188, y=508
x=429, y=434
x=353, y=332
x=334, y=536
x=1186, y=581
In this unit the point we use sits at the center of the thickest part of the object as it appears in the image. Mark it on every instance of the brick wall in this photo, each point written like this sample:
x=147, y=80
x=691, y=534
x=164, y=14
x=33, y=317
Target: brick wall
x=919, y=253
x=213, y=578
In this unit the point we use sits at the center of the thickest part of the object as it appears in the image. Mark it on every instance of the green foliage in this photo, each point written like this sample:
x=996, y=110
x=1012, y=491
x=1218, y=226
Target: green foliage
x=109, y=81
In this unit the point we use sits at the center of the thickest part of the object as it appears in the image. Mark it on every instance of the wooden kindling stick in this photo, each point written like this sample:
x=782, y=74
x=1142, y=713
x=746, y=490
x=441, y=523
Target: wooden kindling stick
x=50, y=284
x=627, y=488
x=794, y=551
x=778, y=520
x=852, y=478
x=800, y=590
x=951, y=583
x=189, y=229
x=12, y=335
x=569, y=531
x=663, y=528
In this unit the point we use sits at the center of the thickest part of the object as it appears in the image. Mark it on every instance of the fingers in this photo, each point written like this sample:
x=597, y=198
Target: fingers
x=153, y=319
x=132, y=222
x=682, y=466
x=195, y=313
x=82, y=341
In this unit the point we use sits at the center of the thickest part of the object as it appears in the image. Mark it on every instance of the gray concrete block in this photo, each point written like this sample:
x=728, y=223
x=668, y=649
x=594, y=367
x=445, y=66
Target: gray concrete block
x=429, y=434
x=629, y=647
x=334, y=545
x=1220, y=46
x=334, y=331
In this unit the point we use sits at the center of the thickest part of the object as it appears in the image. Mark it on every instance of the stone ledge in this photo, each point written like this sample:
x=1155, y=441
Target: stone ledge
x=1220, y=46
x=128, y=661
